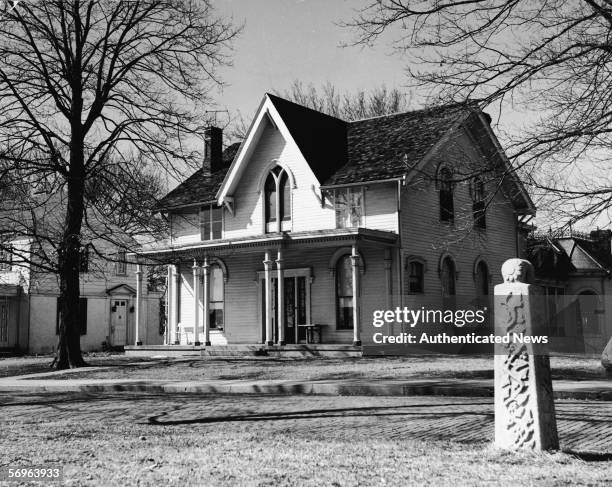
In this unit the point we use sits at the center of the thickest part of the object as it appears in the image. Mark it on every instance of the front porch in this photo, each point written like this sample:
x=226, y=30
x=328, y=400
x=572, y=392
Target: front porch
x=227, y=293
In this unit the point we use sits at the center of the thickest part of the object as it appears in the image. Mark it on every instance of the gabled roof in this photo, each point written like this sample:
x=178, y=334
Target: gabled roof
x=341, y=153
x=320, y=137
x=558, y=256
x=200, y=187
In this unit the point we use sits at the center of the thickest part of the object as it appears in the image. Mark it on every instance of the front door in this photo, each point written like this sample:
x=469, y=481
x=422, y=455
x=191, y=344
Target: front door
x=295, y=308
x=119, y=313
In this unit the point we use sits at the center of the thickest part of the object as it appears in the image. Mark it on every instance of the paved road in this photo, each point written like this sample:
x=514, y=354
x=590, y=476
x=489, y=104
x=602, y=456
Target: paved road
x=584, y=426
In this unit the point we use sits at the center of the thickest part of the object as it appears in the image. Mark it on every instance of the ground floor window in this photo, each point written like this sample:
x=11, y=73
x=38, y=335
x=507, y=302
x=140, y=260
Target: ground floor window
x=217, y=298
x=344, y=293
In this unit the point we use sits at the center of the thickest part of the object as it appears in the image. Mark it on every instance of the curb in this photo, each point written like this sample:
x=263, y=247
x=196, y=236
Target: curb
x=300, y=388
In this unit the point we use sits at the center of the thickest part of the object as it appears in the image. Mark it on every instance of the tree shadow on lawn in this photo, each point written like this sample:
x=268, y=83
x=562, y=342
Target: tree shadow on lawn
x=373, y=411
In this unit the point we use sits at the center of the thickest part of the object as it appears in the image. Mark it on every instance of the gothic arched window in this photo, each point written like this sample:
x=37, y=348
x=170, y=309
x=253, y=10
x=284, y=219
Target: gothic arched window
x=277, y=199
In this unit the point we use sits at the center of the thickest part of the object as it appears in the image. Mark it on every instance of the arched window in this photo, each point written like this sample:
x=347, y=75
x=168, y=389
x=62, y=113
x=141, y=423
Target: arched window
x=478, y=206
x=344, y=293
x=415, y=273
x=482, y=279
x=448, y=276
x=216, y=298
x=447, y=207
x=277, y=191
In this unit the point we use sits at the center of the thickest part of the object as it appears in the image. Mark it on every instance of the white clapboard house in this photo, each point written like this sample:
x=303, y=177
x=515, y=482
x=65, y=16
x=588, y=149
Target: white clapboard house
x=310, y=224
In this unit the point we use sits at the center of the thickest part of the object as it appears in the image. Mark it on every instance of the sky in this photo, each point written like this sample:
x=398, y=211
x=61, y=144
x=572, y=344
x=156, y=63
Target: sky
x=287, y=40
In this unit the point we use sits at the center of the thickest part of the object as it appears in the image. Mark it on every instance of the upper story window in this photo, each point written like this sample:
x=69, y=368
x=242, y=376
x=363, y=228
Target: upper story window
x=348, y=203
x=6, y=258
x=277, y=202
x=121, y=263
x=478, y=206
x=447, y=206
x=211, y=222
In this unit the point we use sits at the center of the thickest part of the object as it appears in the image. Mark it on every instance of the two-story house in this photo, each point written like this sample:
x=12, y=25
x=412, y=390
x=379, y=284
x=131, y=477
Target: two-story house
x=29, y=287
x=313, y=220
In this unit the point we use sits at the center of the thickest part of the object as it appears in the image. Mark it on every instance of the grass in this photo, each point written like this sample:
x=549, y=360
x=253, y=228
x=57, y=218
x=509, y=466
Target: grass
x=416, y=367
x=103, y=445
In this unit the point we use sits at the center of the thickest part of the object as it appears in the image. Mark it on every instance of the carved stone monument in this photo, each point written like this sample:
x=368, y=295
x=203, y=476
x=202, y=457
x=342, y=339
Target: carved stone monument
x=606, y=357
x=524, y=405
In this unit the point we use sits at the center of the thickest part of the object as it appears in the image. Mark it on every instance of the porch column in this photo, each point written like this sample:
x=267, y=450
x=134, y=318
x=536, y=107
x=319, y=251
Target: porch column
x=138, y=299
x=175, y=302
x=268, y=290
x=280, y=302
x=355, y=266
x=196, y=302
x=206, y=299
x=169, y=310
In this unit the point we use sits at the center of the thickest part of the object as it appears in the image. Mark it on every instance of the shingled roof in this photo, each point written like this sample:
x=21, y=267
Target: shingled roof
x=201, y=186
x=342, y=152
x=380, y=148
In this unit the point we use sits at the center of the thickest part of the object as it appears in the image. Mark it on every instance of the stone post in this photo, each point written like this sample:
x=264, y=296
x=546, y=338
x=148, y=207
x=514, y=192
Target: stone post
x=606, y=357
x=524, y=405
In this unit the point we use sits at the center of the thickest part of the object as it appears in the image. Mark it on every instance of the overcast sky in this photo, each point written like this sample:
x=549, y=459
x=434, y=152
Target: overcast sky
x=285, y=40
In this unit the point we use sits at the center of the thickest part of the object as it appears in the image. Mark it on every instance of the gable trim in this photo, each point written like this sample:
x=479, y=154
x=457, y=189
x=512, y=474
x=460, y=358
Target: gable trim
x=266, y=110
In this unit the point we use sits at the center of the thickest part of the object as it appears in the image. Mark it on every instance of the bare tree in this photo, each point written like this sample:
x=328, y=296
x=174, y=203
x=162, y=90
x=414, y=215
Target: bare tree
x=551, y=58
x=88, y=91
x=348, y=106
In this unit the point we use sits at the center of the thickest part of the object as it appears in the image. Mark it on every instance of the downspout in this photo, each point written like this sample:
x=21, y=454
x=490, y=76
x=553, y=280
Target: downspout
x=399, y=249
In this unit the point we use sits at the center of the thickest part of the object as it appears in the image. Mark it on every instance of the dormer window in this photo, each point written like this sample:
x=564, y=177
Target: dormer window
x=447, y=206
x=277, y=202
x=211, y=222
x=348, y=203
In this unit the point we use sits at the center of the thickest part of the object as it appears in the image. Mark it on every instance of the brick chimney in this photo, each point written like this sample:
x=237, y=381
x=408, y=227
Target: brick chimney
x=603, y=240
x=213, y=149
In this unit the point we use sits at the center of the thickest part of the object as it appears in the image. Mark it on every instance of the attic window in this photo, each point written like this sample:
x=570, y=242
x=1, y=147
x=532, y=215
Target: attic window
x=277, y=191
x=211, y=222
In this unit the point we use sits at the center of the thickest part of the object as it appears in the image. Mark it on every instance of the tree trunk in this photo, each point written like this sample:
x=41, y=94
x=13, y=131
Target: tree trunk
x=69, y=346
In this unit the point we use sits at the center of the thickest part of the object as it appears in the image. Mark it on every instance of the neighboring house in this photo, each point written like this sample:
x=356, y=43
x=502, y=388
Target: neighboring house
x=29, y=295
x=575, y=270
x=401, y=210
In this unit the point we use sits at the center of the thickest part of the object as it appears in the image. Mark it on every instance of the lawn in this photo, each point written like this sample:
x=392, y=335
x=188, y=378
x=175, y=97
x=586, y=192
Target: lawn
x=279, y=441
x=416, y=367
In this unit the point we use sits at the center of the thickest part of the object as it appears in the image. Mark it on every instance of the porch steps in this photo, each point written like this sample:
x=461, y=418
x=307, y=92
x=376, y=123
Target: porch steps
x=253, y=351
x=286, y=351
